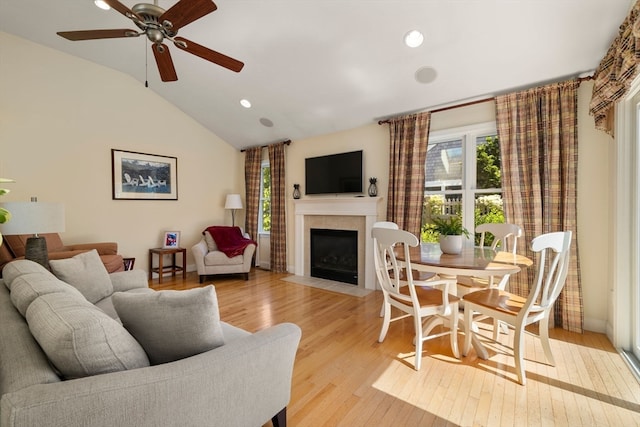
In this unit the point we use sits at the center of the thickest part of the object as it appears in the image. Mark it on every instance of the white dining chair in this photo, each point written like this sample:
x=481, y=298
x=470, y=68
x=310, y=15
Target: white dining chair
x=429, y=305
x=418, y=275
x=518, y=312
x=505, y=238
x=505, y=235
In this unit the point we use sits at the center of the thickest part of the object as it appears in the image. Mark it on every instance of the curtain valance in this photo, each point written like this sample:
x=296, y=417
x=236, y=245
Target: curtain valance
x=616, y=72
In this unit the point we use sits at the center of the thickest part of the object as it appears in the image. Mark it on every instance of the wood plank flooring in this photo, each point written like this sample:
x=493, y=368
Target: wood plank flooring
x=344, y=377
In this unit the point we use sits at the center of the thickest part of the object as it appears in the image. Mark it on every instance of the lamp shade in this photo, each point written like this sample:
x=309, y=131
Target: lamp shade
x=233, y=202
x=33, y=218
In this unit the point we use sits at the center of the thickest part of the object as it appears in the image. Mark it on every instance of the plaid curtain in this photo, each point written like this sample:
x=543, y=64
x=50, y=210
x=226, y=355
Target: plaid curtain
x=616, y=72
x=539, y=149
x=408, y=154
x=278, y=218
x=252, y=165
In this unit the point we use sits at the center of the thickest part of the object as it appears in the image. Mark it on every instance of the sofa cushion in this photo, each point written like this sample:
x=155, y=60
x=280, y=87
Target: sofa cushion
x=19, y=267
x=79, y=339
x=219, y=258
x=172, y=325
x=27, y=287
x=85, y=272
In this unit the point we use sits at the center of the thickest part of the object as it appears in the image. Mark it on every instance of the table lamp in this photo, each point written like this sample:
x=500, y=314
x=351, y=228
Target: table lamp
x=34, y=218
x=233, y=202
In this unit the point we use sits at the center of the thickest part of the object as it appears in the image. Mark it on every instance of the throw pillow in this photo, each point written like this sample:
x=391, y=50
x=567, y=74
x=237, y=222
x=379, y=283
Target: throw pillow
x=79, y=339
x=86, y=273
x=211, y=244
x=172, y=325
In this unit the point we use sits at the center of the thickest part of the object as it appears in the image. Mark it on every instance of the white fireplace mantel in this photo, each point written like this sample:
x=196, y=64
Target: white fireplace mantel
x=366, y=207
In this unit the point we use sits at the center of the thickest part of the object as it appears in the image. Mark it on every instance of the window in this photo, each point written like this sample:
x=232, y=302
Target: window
x=463, y=177
x=264, y=216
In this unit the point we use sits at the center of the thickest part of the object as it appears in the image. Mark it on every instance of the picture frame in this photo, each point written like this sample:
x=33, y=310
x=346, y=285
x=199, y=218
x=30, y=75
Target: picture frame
x=171, y=240
x=142, y=176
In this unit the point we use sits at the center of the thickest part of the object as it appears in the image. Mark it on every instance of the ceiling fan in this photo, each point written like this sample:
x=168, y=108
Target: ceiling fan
x=158, y=25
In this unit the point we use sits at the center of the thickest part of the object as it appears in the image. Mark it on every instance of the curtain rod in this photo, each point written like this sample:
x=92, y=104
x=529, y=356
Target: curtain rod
x=478, y=101
x=286, y=142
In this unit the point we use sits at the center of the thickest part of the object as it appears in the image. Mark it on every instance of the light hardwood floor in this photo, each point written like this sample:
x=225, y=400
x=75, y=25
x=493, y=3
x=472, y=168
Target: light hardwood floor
x=344, y=377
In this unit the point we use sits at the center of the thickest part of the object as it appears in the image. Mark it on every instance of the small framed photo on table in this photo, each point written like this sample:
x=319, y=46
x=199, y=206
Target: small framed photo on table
x=171, y=240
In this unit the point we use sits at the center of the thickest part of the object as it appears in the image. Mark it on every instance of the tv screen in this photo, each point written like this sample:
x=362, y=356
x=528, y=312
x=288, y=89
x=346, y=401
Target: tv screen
x=334, y=174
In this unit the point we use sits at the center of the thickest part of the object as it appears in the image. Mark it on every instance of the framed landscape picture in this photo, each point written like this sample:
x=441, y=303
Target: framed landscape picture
x=140, y=176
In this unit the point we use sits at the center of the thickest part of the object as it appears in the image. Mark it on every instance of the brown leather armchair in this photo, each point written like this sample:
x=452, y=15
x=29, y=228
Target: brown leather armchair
x=13, y=247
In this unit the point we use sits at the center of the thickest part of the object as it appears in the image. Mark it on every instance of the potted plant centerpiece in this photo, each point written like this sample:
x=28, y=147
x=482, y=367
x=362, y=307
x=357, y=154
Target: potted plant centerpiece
x=450, y=229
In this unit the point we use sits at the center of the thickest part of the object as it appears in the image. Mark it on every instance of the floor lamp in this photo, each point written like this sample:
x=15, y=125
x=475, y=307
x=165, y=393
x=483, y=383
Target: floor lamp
x=233, y=202
x=34, y=218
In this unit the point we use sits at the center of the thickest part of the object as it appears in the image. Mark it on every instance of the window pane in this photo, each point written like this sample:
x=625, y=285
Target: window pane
x=444, y=165
x=488, y=162
x=265, y=200
x=437, y=205
x=266, y=215
x=488, y=208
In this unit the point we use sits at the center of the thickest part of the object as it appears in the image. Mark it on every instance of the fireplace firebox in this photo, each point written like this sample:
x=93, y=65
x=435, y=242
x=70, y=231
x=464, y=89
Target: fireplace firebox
x=334, y=255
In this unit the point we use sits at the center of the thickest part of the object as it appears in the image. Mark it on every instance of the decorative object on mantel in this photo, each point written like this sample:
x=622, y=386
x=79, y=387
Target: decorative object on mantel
x=373, y=187
x=35, y=218
x=451, y=231
x=296, y=191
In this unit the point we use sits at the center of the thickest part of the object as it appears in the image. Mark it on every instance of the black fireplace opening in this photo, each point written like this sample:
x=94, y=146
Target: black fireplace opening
x=334, y=255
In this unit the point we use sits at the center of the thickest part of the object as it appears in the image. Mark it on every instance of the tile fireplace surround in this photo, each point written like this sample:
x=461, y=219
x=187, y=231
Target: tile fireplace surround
x=338, y=213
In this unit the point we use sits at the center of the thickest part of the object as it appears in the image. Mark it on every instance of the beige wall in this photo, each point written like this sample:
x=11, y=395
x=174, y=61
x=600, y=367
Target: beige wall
x=60, y=116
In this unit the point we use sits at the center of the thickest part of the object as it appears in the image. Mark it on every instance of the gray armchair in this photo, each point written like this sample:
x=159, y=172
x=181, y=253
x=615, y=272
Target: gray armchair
x=210, y=260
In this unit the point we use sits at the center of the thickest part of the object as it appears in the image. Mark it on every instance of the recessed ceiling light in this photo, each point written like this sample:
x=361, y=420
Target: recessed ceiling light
x=101, y=4
x=245, y=103
x=413, y=38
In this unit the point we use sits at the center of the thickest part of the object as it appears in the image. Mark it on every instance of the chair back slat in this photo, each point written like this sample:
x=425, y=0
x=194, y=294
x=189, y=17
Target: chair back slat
x=553, y=267
x=503, y=234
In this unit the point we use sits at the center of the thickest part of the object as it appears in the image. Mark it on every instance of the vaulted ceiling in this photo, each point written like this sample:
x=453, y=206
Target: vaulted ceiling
x=318, y=66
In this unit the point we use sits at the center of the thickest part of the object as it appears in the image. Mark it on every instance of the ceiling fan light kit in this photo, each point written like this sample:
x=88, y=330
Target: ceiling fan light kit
x=160, y=25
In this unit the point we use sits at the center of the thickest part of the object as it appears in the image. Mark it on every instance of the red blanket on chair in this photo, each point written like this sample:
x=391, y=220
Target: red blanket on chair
x=229, y=240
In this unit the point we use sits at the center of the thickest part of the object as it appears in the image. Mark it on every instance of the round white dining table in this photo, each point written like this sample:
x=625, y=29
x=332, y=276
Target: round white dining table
x=472, y=261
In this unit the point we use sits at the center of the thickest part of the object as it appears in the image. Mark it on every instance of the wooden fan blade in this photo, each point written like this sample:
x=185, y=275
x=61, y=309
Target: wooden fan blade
x=208, y=54
x=186, y=11
x=115, y=4
x=97, y=34
x=164, y=62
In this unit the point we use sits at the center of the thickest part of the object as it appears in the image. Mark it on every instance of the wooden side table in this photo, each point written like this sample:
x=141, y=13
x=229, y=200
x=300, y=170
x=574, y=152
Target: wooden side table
x=173, y=268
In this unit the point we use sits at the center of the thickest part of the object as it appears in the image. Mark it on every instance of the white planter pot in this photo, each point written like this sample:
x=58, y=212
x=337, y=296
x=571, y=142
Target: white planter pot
x=451, y=244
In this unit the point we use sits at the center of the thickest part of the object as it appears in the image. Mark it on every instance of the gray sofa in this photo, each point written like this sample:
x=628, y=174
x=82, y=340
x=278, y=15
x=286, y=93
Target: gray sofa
x=244, y=382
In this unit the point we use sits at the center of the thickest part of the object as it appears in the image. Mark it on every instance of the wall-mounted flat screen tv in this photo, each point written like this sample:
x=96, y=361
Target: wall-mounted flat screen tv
x=334, y=174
